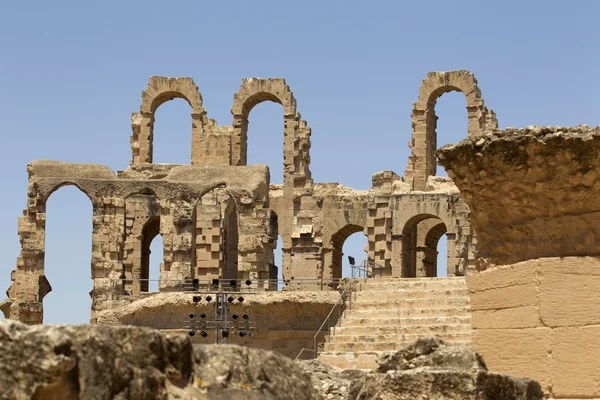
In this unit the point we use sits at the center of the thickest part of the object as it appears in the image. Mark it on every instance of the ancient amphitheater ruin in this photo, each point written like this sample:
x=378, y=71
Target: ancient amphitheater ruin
x=519, y=210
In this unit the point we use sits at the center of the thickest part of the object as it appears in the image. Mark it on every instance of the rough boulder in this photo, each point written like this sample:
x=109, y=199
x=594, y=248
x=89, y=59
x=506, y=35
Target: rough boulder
x=72, y=362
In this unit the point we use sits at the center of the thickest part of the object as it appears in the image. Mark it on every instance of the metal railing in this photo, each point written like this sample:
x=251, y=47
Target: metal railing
x=340, y=307
x=368, y=269
x=127, y=287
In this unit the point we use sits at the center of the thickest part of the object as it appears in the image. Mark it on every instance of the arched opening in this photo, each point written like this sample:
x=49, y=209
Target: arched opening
x=152, y=255
x=230, y=241
x=442, y=257
x=143, y=253
x=421, y=253
x=354, y=246
x=265, y=138
x=354, y=249
x=278, y=257
x=67, y=258
x=171, y=133
x=451, y=121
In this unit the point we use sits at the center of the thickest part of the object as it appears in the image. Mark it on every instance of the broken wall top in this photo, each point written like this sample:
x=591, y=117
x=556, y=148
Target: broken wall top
x=533, y=192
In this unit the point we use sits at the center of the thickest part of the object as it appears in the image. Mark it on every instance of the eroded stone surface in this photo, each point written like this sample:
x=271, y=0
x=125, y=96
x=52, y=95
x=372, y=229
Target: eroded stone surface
x=93, y=362
x=533, y=192
x=429, y=368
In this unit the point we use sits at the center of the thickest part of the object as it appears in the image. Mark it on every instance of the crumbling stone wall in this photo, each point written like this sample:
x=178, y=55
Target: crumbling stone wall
x=422, y=164
x=117, y=243
x=219, y=218
x=315, y=219
x=533, y=193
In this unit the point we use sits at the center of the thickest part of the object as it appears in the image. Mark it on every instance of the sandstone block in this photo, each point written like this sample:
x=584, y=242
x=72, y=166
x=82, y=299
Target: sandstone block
x=575, y=361
x=521, y=273
x=507, y=318
x=506, y=297
x=518, y=352
x=569, y=292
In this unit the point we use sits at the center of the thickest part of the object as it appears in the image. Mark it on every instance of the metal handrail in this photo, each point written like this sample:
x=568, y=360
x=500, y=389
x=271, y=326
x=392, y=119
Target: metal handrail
x=301, y=351
x=174, y=285
x=341, y=300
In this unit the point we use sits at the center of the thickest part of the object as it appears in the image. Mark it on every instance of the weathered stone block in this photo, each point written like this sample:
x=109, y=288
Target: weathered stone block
x=517, y=352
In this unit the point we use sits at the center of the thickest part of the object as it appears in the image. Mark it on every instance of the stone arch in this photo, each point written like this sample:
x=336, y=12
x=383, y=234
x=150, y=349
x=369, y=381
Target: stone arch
x=434, y=234
x=337, y=243
x=161, y=89
x=422, y=163
x=150, y=230
x=429, y=234
x=296, y=145
x=420, y=236
x=57, y=186
x=142, y=225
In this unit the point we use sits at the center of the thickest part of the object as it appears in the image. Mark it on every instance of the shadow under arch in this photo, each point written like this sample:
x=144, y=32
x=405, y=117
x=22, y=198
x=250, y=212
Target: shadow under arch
x=420, y=238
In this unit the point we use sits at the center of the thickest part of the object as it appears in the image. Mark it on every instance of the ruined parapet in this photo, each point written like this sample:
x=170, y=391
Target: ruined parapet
x=421, y=163
x=161, y=89
x=129, y=210
x=533, y=192
x=296, y=142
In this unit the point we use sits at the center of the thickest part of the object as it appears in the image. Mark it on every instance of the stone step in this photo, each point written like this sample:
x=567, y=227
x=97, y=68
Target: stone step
x=395, y=294
x=393, y=337
x=364, y=319
x=397, y=344
x=362, y=316
x=350, y=361
x=418, y=303
x=414, y=283
x=360, y=359
x=365, y=332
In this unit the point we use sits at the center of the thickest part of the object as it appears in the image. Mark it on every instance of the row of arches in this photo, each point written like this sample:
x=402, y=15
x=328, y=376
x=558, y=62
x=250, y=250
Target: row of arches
x=172, y=126
x=424, y=139
x=221, y=144
x=69, y=228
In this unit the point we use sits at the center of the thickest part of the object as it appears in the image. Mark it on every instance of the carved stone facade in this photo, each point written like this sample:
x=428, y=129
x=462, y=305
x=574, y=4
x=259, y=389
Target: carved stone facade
x=220, y=218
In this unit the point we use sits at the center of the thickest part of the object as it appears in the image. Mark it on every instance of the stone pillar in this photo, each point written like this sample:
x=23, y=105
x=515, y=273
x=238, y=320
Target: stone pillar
x=108, y=242
x=140, y=210
x=143, y=145
x=208, y=238
x=257, y=239
x=397, y=256
x=177, y=226
x=29, y=285
x=421, y=260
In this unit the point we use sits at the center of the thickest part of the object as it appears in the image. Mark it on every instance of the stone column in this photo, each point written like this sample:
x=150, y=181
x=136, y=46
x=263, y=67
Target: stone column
x=257, y=239
x=177, y=227
x=397, y=256
x=108, y=242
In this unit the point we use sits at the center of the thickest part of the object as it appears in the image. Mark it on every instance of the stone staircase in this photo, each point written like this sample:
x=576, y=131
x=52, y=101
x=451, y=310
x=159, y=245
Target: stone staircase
x=387, y=314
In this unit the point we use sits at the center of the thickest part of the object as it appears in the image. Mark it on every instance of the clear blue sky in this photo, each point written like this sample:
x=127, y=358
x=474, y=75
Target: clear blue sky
x=71, y=73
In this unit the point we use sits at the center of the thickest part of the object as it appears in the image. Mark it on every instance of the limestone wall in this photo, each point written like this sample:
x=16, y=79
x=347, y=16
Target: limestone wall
x=285, y=321
x=541, y=319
